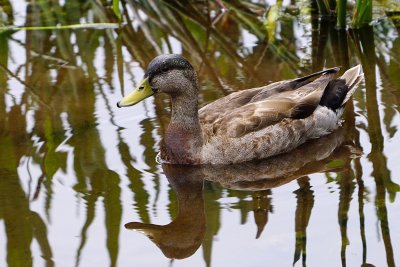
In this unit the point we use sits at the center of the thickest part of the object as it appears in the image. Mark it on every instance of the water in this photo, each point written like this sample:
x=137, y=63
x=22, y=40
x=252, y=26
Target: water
x=77, y=174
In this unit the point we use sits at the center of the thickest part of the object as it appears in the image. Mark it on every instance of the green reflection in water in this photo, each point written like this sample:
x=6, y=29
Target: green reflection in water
x=381, y=174
x=56, y=86
x=305, y=203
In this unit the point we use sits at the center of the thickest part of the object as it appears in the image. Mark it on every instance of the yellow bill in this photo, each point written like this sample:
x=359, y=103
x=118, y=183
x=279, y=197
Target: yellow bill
x=141, y=92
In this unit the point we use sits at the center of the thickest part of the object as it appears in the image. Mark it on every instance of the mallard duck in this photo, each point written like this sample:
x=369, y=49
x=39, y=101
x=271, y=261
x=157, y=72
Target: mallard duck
x=247, y=125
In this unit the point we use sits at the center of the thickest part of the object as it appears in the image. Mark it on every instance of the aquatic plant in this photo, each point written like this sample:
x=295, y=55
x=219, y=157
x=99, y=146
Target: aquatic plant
x=116, y=9
x=341, y=14
x=362, y=14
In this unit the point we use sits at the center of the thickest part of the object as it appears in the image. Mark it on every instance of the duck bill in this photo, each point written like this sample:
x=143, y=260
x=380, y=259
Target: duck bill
x=152, y=231
x=141, y=92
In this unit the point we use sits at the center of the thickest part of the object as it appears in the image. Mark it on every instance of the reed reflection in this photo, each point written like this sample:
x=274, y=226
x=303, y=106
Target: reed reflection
x=188, y=231
x=23, y=226
x=305, y=204
x=63, y=109
x=380, y=173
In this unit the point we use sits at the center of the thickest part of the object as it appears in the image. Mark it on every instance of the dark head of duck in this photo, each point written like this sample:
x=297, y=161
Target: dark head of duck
x=174, y=75
x=171, y=74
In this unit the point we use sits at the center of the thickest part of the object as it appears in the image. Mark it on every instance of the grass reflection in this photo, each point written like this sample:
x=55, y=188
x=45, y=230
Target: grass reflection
x=304, y=206
x=380, y=172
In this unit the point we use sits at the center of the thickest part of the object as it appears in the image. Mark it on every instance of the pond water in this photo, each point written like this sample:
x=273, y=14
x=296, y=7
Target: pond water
x=79, y=181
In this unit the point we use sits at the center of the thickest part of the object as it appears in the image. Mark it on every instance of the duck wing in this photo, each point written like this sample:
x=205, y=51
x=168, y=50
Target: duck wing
x=221, y=107
x=211, y=112
x=260, y=112
x=297, y=88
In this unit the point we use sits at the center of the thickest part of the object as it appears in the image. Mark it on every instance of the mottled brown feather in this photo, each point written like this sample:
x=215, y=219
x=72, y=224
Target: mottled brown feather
x=252, y=116
x=293, y=89
x=296, y=104
x=211, y=112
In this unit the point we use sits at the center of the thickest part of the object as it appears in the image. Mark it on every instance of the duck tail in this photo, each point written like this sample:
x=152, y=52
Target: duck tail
x=339, y=91
x=353, y=77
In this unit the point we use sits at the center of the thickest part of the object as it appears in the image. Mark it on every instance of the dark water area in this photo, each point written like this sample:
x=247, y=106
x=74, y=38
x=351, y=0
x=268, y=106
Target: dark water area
x=79, y=180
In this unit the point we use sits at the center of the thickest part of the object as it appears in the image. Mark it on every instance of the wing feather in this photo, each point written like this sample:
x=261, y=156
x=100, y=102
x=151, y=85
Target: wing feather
x=255, y=116
x=292, y=89
x=297, y=104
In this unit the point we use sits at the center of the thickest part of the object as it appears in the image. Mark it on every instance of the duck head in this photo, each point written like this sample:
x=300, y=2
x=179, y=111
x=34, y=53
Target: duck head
x=171, y=74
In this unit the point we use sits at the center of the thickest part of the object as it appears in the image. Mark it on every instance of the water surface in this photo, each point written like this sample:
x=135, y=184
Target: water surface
x=77, y=174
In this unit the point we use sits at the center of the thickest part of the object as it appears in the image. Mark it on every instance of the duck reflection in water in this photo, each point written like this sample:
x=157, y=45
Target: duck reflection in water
x=183, y=236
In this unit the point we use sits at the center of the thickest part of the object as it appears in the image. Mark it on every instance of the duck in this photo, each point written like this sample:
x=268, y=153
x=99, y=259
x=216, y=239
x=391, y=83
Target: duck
x=246, y=125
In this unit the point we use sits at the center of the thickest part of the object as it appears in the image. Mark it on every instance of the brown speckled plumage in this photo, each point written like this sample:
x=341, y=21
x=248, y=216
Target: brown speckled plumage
x=250, y=124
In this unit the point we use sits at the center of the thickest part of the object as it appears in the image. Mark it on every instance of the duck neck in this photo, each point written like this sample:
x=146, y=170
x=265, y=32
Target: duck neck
x=183, y=138
x=184, y=112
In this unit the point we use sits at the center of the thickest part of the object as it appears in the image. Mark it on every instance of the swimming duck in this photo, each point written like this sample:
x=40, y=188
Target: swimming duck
x=246, y=125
